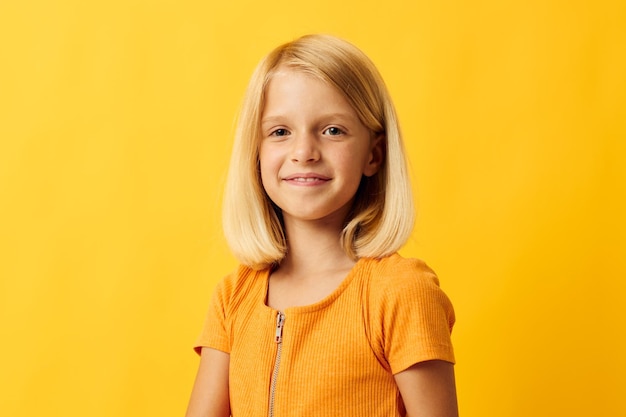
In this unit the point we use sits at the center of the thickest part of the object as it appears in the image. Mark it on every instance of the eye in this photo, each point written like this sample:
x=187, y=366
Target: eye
x=279, y=132
x=333, y=131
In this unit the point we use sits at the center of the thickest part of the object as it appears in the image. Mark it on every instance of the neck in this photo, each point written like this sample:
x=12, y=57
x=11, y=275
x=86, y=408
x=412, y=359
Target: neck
x=314, y=248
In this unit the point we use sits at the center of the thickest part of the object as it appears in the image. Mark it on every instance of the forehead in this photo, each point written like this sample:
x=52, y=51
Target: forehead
x=290, y=89
x=287, y=77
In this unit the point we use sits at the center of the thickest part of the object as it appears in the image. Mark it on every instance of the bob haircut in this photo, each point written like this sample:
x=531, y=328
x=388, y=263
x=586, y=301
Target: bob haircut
x=382, y=215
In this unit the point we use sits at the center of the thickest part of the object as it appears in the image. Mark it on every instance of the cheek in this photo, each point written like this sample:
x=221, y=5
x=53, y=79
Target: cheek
x=268, y=165
x=354, y=162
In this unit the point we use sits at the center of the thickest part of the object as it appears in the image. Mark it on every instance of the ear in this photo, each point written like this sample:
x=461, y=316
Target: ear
x=376, y=156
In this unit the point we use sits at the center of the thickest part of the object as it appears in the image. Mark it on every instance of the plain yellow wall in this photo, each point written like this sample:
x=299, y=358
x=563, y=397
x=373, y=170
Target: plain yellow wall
x=115, y=127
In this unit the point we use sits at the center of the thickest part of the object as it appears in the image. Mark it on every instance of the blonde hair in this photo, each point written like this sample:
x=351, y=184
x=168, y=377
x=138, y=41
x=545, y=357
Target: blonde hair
x=382, y=216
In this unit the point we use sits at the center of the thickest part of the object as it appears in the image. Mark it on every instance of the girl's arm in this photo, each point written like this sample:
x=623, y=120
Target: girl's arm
x=209, y=397
x=428, y=389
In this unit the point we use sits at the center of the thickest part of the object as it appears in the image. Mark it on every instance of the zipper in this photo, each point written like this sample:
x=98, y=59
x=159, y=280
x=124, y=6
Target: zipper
x=278, y=339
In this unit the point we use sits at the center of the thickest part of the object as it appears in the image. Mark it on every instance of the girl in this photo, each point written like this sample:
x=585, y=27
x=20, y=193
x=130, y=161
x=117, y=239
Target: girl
x=323, y=317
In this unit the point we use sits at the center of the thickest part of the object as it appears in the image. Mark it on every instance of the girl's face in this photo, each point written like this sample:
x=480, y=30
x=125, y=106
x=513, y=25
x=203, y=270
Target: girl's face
x=314, y=149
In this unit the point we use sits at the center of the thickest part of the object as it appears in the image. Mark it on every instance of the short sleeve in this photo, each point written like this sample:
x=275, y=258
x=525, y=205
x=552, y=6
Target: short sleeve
x=214, y=332
x=415, y=318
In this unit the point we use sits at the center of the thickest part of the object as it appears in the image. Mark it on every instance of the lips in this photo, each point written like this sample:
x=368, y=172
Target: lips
x=306, y=178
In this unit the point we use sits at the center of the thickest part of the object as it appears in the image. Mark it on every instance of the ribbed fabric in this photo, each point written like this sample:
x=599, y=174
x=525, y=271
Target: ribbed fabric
x=338, y=355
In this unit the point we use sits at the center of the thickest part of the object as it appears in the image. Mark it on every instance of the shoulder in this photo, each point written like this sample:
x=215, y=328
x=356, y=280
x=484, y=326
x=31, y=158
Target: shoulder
x=396, y=272
x=240, y=275
x=409, y=317
x=238, y=283
x=399, y=284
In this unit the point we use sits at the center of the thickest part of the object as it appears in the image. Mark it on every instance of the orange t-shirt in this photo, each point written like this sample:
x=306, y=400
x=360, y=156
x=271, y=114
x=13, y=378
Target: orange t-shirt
x=336, y=357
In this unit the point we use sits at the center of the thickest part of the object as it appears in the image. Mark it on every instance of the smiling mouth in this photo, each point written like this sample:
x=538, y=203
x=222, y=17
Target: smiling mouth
x=306, y=179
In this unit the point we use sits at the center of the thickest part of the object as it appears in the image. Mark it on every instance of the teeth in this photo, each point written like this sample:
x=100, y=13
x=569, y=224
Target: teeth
x=308, y=179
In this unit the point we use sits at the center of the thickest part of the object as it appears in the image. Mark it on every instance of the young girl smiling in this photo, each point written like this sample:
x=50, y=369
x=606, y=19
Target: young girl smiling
x=323, y=317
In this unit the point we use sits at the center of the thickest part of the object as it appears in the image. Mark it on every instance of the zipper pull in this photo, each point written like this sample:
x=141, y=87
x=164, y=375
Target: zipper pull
x=280, y=321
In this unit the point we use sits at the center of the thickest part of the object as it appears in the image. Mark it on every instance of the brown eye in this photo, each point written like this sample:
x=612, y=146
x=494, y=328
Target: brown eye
x=279, y=132
x=333, y=131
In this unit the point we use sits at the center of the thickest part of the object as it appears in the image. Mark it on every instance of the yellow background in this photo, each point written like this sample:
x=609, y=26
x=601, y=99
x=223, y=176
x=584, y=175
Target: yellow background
x=115, y=127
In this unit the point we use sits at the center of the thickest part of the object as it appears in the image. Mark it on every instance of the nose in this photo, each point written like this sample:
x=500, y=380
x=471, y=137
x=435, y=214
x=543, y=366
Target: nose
x=305, y=148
